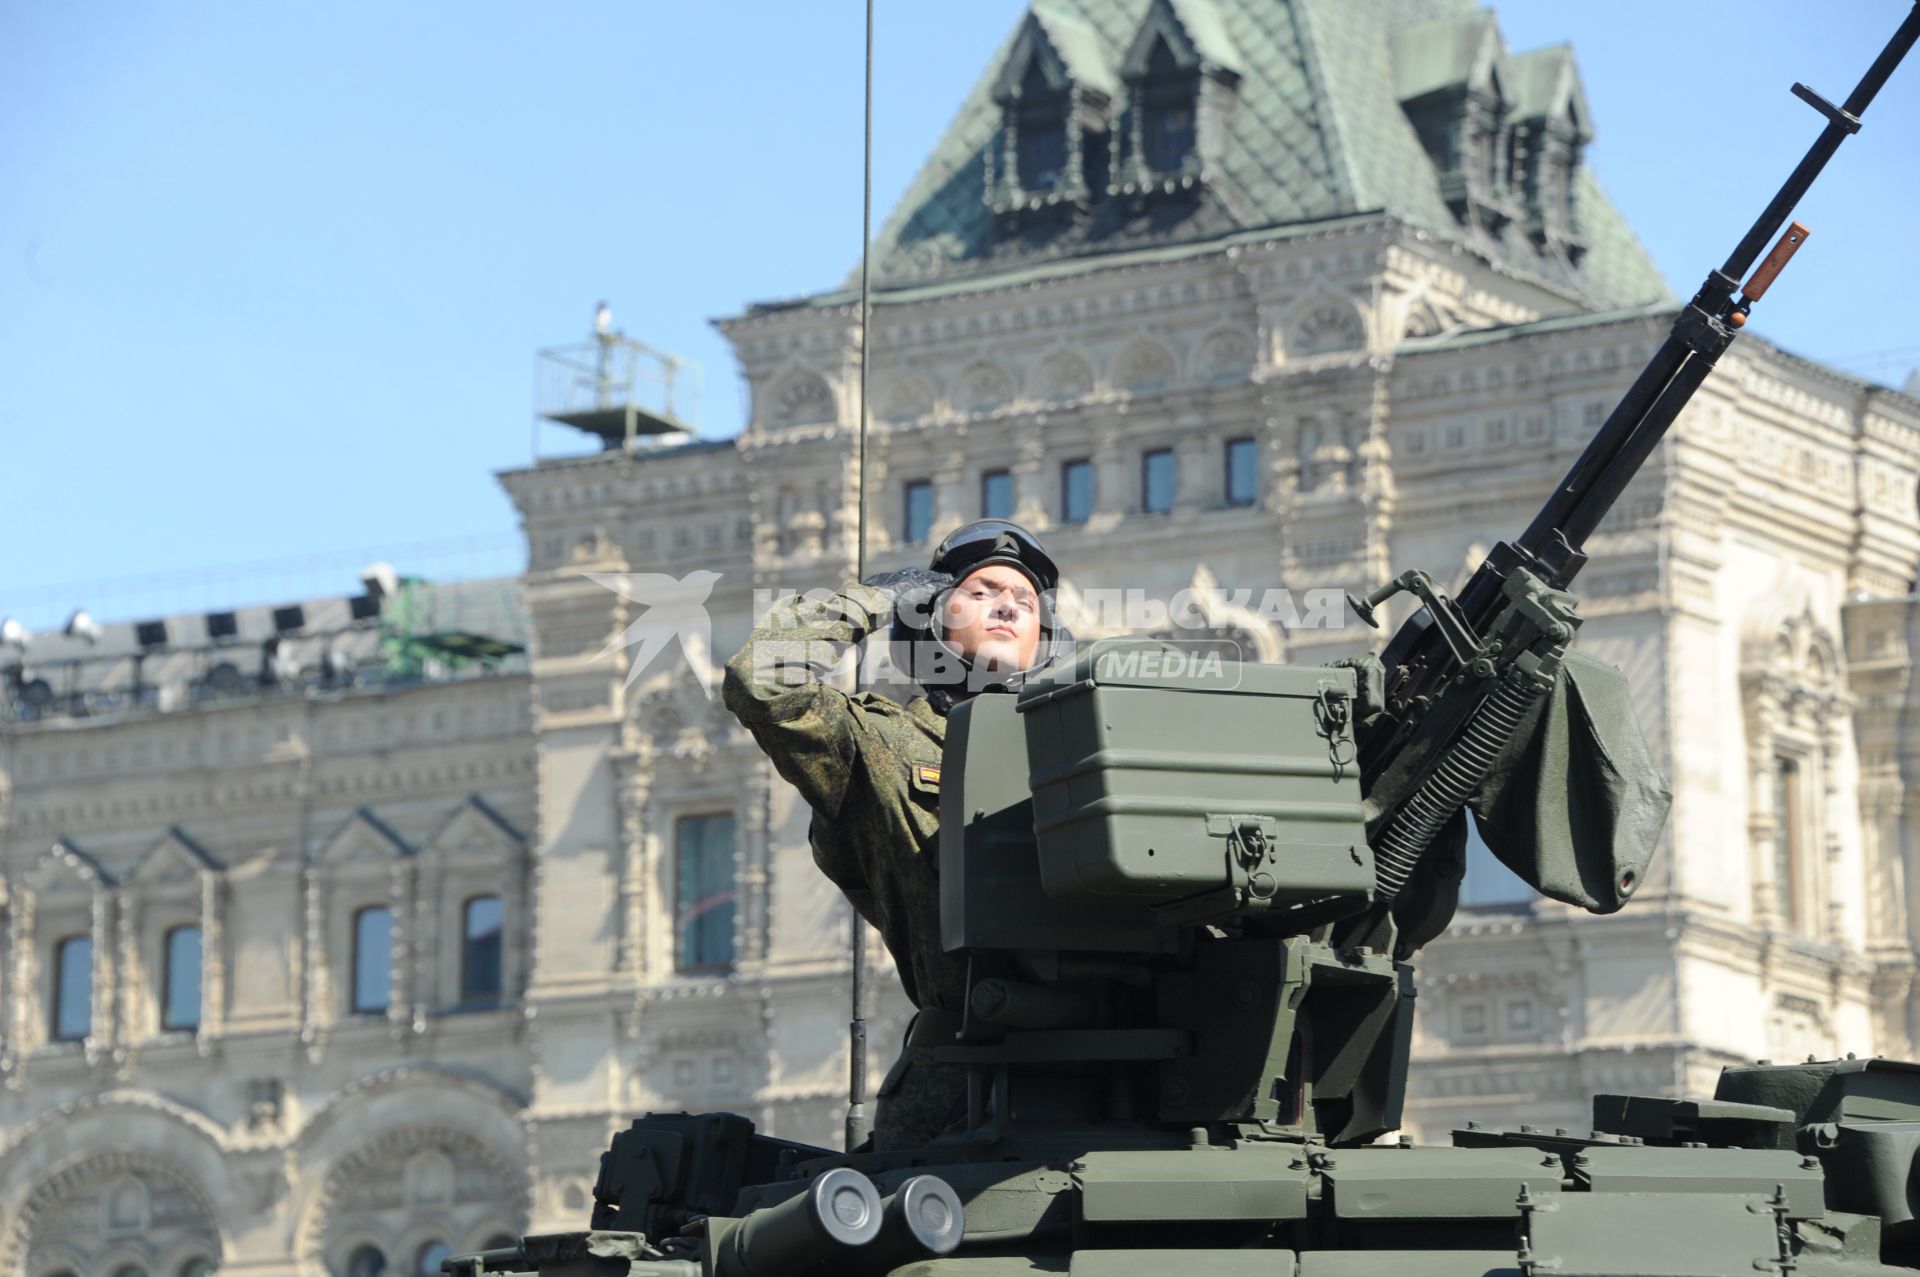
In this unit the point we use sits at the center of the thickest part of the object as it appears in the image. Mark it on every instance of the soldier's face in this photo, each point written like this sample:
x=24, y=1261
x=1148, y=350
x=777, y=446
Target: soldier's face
x=992, y=618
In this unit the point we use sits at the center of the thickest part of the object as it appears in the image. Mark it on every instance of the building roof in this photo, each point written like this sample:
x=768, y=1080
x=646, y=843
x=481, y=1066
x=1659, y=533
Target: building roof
x=1317, y=132
x=114, y=674
x=1079, y=48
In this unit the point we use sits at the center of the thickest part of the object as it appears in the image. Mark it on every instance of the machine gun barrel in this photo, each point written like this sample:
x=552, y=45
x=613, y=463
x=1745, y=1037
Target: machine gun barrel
x=1703, y=329
x=1448, y=658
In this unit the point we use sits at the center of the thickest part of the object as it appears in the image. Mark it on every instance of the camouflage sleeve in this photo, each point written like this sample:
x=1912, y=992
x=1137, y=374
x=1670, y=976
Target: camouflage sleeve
x=775, y=685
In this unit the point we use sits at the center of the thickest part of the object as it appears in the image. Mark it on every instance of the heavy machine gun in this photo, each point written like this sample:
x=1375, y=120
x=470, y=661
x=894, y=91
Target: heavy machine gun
x=1463, y=676
x=1185, y=891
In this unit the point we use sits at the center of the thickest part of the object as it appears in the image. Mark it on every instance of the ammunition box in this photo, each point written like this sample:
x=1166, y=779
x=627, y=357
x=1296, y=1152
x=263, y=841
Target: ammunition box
x=1197, y=785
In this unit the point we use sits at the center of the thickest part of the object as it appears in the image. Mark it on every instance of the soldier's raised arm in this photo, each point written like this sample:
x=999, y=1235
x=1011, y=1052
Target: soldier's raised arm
x=776, y=685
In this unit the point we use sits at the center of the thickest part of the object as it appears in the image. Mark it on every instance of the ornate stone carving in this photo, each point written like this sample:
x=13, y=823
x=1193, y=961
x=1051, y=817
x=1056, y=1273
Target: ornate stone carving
x=982, y=388
x=902, y=396
x=100, y=1202
x=1225, y=356
x=1064, y=375
x=1144, y=367
x=803, y=399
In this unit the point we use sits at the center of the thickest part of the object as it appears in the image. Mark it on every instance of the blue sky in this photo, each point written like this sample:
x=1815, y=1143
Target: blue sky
x=272, y=276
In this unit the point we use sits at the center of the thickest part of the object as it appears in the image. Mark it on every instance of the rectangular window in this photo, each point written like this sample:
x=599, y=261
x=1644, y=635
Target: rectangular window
x=483, y=926
x=1076, y=490
x=1169, y=136
x=704, y=898
x=73, y=989
x=1156, y=481
x=1788, y=818
x=1040, y=136
x=372, y=959
x=1243, y=471
x=996, y=495
x=180, y=981
x=918, y=520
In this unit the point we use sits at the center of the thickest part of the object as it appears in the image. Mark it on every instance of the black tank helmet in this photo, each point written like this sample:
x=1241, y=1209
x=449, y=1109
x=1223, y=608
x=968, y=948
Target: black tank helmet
x=920, y=647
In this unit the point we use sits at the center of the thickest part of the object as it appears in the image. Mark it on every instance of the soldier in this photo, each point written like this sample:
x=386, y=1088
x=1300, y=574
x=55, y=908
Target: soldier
x=977, y=619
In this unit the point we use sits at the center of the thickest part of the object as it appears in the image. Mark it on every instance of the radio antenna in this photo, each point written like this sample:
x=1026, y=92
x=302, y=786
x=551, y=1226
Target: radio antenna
x=857, y=1027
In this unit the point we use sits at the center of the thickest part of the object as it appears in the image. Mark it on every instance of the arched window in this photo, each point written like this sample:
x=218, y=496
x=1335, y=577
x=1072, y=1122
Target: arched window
x=130, y=1270
x=373, y=960
x=431, y=1256
x=180, y=979
x=367, y=1261
x=484, y=922
x=1167, y=102
x=1040, y=138
x=198, y=1268
x=73, y=989
x=703, y=918
x=127, y=1206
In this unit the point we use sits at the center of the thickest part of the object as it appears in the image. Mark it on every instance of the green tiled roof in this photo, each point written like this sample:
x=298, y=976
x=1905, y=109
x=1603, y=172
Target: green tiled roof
x=1079, y=47
x=1317, y=132
x=1207, y=28
x=1542, y=77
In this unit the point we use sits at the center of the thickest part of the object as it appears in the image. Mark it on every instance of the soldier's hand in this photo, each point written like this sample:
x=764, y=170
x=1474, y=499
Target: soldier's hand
x=911, y=591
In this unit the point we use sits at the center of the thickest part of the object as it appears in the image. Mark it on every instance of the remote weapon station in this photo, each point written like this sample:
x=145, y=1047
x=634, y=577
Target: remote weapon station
x=1188, y=900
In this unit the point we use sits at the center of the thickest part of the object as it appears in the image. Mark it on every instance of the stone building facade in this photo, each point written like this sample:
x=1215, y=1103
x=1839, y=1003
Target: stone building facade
x=1217, y=296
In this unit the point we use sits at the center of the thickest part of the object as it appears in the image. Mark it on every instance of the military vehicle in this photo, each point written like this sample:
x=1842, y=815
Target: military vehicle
x=1188, y=892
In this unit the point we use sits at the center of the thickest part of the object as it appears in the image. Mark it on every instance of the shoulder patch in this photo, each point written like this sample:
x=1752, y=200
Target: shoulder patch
x=927, y=774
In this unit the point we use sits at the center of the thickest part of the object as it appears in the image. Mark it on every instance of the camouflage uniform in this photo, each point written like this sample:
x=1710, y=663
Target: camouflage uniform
x=870, y=769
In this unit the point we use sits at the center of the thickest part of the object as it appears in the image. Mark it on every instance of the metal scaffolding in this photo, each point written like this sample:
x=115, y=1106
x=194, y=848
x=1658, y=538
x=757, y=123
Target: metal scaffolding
x=629, y=394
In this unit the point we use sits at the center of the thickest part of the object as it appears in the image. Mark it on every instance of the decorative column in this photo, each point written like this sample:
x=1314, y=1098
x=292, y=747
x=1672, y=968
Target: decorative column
x=129, y=988
x=1830, y=712
x=1763, y=721
x=845, y=525
x=400, y=896
x=1374, y=482
x=103, y=982
x=423, y=887
x=213, y=962
x=1029, y=477
x=1111, y=490
x=1198, y=473
x=948, y=501
x=756, y=861
x=316, y=972
x=20, y=999
x=632, y=789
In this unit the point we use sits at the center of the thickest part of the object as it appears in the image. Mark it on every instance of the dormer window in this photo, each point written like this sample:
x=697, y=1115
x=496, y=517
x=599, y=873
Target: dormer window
x=1182, y=76
x=1453, y=83
x=1547, y=142
x=1040, y=135
x=1167, y=101
x=1054, y=95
